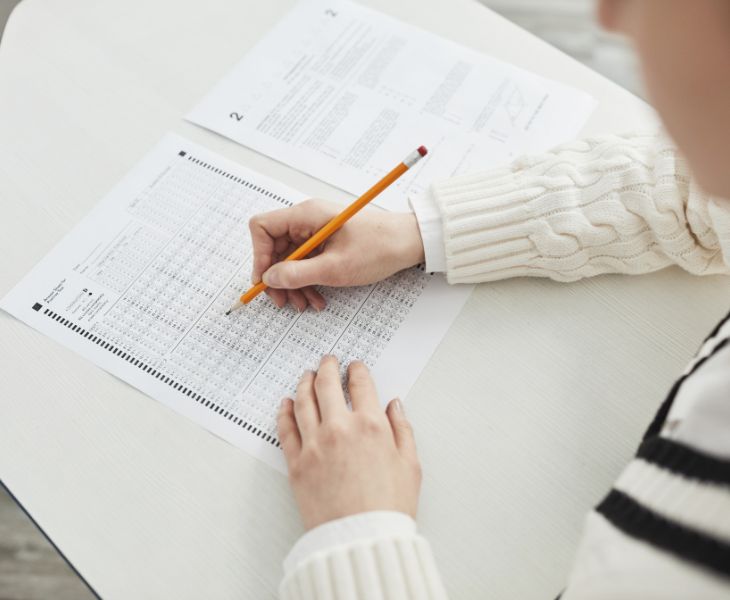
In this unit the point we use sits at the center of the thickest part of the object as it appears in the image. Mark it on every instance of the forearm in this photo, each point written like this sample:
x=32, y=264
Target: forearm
x=605, y=205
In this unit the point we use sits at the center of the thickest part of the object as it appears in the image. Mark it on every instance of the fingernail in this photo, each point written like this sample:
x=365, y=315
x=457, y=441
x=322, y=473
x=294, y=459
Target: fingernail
x=397, y=405
x=284, y=400
x=271, y=279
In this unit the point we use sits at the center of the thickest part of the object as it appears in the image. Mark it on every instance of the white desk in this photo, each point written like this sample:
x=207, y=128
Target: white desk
x=524, y=416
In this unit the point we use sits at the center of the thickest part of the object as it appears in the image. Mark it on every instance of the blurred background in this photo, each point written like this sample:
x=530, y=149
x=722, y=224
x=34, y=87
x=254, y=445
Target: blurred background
x=30, y=568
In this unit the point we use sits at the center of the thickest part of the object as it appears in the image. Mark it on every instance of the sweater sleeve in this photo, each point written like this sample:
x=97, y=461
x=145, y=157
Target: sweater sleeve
x=370, y=556
x=609, y=204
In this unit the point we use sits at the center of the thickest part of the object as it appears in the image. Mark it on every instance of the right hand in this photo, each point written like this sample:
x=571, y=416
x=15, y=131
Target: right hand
x=371, y=246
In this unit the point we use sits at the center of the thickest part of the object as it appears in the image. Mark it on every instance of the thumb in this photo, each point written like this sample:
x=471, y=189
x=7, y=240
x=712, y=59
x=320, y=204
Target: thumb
x=294, y=274
x=402, y=430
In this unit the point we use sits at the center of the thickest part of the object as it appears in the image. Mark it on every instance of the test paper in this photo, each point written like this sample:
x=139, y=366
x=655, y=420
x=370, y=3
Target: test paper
x=141, y=286
x=342, y=92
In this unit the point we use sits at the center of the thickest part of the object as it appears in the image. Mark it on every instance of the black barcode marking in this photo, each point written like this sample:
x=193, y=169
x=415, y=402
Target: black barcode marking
x=160, y=376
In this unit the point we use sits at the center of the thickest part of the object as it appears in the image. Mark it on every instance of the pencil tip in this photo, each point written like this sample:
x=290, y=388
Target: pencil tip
x=235, y=306
x=228, y=312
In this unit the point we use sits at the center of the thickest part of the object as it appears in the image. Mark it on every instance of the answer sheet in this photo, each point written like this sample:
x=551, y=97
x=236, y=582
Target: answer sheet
x=141, y=287
x=343, y=93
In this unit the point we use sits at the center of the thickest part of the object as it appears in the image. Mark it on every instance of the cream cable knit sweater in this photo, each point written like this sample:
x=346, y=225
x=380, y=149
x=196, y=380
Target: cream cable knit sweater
x=610, y=204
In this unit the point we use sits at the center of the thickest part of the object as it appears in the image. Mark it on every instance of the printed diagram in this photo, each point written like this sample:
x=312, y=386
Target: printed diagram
x=498, y=135
x=514, y=105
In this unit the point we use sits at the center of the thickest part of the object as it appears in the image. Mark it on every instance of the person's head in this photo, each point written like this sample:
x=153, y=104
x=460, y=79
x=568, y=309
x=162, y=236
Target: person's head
x=684, y=48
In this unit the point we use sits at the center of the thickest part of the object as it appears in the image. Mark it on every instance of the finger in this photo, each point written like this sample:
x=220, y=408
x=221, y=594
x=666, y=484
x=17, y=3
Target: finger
x=315, y=299
x=265, y=230
x=297, y=299
x=286, y=224
x=322, y=269
x=279, y=252
x=363, y=395
x=279, y=297
x=291, y=442
x=282, y=248
x=305, y=407
x=402, y=430
x=330, y=398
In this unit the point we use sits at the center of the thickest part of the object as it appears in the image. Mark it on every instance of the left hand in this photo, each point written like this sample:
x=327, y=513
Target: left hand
x=344, y=462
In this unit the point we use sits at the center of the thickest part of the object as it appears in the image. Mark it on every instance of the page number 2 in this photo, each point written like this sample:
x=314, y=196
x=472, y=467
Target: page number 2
x=235, y=115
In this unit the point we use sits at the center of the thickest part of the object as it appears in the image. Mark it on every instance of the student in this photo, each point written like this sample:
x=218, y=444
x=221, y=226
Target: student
x=609, y=204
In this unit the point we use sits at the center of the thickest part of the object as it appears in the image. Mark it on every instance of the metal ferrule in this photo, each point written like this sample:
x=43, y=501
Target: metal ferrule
x=412, y=159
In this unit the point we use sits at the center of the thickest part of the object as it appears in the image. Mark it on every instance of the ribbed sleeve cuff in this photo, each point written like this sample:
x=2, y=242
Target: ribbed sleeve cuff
x=353, y=528
x=375, y=568
x=487, y=223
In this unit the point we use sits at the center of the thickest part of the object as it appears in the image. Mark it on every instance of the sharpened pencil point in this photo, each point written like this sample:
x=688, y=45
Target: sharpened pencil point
x=228, y=312
x=235, y=306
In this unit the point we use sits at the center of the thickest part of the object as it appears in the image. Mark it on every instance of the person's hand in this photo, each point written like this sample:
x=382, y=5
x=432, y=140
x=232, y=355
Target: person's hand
x=371, y=246
x=344, y=462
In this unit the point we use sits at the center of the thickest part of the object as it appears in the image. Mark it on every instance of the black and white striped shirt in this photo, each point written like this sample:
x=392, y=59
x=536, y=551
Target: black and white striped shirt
x=663, y=531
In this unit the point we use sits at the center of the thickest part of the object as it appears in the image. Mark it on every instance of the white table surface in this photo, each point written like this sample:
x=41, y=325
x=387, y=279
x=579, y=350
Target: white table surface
x=525, y=414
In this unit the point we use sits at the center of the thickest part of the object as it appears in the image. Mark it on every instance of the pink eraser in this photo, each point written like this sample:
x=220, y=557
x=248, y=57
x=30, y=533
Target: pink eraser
x=422, y=150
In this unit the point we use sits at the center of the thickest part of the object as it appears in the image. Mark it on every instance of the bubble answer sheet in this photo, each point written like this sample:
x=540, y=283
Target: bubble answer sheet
x=336, y=90
x=142, y=284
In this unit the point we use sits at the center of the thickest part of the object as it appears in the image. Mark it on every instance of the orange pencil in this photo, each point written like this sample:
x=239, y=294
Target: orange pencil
x=338, y=221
